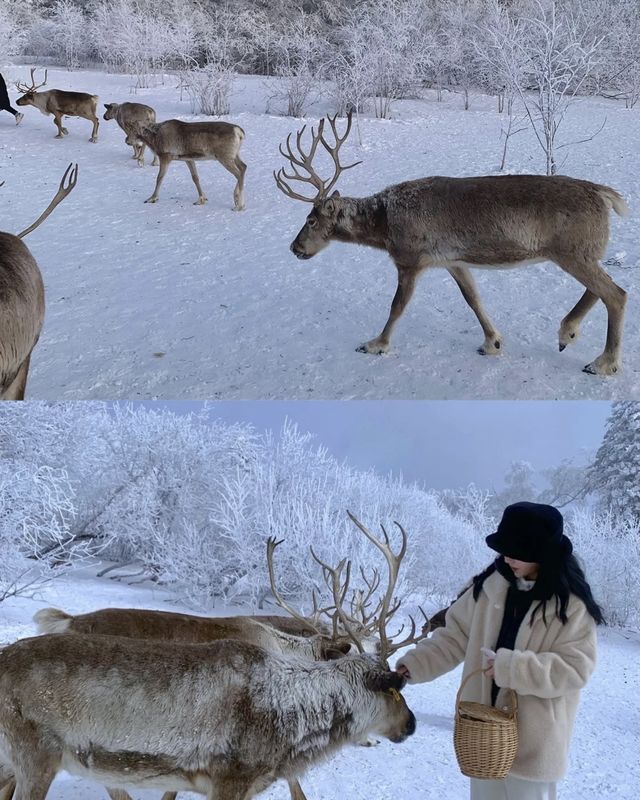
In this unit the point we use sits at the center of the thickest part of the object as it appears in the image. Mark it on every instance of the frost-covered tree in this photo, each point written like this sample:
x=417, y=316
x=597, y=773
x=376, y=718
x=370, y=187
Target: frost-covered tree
x=614, y=476
x=69, y=32
x=561, y=56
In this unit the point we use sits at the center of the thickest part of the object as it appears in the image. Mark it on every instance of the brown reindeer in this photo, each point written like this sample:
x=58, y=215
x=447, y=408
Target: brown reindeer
x=225, y=719
x=22, y=300
x=457, y=223
x=275, y=633
x=174, y=140
x=60, y=103
x=131, y=117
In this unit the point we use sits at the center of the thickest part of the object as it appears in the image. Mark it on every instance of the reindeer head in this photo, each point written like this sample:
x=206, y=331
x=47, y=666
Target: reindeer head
x=112, y=110
x=394, y=720
x=29, y=92
x=320, y=225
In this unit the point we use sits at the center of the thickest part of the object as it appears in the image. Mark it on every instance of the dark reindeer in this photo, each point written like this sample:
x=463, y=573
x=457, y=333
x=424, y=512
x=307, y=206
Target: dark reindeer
x=22, y=300
x=457, y=223
x=60, y=103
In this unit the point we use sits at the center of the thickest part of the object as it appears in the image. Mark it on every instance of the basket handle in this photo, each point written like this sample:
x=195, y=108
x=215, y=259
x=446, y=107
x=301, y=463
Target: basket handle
x=514, y=696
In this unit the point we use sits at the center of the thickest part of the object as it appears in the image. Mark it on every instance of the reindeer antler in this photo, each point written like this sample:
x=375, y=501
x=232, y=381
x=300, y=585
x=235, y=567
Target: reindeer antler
x=389, y=604
x=303, y=161
x=64, y=189
x=272, y=543
x=24, y=89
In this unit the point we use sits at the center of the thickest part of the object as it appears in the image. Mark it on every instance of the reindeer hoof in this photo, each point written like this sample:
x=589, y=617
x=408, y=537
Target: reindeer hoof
x=601, y=366
x=490, y=347
x=92, y=139
x=151, y=200
x=200, y=201
x=374, y=347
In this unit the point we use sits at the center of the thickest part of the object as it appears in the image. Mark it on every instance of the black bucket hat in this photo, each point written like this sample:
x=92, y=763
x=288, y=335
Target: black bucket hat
x=531, y=532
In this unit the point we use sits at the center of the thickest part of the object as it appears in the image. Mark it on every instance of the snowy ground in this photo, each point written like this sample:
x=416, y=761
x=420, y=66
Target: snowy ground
x=604, y=757
x=180, y=301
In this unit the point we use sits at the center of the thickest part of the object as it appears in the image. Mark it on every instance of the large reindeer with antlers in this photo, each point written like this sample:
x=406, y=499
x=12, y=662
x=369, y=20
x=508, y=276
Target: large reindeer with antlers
x=60, y=103
x=225, y=719
x=300, y=635
x=457, y=223
x=174, y=140
x=22, y=300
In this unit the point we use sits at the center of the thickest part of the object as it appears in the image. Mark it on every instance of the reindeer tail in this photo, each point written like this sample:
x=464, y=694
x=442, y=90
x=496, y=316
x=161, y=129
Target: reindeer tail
x=51, y=620
x=615, y=200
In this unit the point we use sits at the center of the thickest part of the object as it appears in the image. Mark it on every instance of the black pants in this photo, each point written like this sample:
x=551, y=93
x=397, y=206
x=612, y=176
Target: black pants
x=5, y=105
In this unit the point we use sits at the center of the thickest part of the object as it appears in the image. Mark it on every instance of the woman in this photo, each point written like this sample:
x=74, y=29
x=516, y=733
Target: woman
x=534, y=608
x=5, y=105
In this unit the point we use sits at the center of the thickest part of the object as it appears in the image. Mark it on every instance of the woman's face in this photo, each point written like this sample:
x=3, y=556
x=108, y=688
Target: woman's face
x=523, y=569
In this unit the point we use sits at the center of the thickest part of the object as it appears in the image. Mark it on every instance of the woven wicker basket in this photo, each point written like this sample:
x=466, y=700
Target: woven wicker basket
x=485, y=738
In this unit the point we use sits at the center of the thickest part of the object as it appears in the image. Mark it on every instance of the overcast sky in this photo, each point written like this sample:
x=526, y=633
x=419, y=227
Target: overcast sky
x=444, y=444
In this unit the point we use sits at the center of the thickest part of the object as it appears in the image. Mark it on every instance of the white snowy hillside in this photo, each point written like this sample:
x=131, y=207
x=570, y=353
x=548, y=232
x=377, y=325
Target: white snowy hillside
x=177, y=301
x=604, y=755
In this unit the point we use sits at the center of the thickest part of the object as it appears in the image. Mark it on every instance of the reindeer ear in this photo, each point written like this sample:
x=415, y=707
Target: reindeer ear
x=384, y=681
x=335, y=651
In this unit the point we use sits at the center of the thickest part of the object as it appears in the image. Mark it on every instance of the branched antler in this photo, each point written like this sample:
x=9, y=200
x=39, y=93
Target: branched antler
x=303, y=161
x=24, y=89
x=65, y=188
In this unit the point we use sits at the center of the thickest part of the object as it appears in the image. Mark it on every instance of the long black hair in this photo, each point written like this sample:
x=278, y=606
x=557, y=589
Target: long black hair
x=557, y=580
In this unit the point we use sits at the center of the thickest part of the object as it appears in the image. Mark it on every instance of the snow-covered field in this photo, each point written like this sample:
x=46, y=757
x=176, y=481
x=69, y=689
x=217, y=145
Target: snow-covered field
x=181, y=301
x=604, y=757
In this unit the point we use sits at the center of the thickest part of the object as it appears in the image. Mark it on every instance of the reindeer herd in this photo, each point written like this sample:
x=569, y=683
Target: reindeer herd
x=490, y=222
x=220, y=706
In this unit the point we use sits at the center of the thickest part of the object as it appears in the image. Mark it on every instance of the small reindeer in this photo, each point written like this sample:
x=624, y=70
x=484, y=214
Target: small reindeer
x=60, y=103
x=174, y=140
x=131, y=117
x=22, y=300
x=492, y=222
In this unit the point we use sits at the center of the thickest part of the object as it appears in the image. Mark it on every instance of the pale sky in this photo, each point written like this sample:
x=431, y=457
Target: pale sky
x=445, y=444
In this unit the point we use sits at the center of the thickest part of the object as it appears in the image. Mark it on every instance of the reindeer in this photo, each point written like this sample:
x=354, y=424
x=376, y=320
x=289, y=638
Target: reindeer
x=60, y=103
x=22, y=300
x=225, y=719
x=275, y=633
x=174, y=140
x=131, y=117
x=491, y=222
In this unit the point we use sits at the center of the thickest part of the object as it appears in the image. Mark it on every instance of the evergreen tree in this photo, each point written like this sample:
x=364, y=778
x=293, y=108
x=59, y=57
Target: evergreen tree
x=614, y=475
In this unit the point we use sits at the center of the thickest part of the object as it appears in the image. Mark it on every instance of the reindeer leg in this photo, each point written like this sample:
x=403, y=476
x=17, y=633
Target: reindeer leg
x=16, y=389
x=406, y=284
x=296, y=790
x=595, y=279
x=118, y=794
x=94, y=132
x=57, y=119
x=570, y=325
x=467, y=285
x=194, y=177
x=8, y=789
x=164, y=163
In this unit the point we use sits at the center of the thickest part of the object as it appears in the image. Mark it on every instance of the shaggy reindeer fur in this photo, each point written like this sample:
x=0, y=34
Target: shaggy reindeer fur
x=225, y=720
x=21, y=314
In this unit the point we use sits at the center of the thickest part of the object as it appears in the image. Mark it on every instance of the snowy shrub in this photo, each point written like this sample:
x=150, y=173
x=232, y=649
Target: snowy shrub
x=209, y=88
x=608, y=546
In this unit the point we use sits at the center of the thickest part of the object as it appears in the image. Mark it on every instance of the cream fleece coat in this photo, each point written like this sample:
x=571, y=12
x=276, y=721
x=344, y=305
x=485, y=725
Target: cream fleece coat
x=548, y=666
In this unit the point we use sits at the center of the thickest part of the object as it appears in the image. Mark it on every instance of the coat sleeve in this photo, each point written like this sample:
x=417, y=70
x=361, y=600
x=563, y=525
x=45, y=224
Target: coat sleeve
x=446, y=647
x=565, y=667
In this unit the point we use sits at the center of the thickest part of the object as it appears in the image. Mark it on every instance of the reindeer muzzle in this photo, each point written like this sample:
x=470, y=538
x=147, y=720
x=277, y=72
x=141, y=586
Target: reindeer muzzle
x=298, y=253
